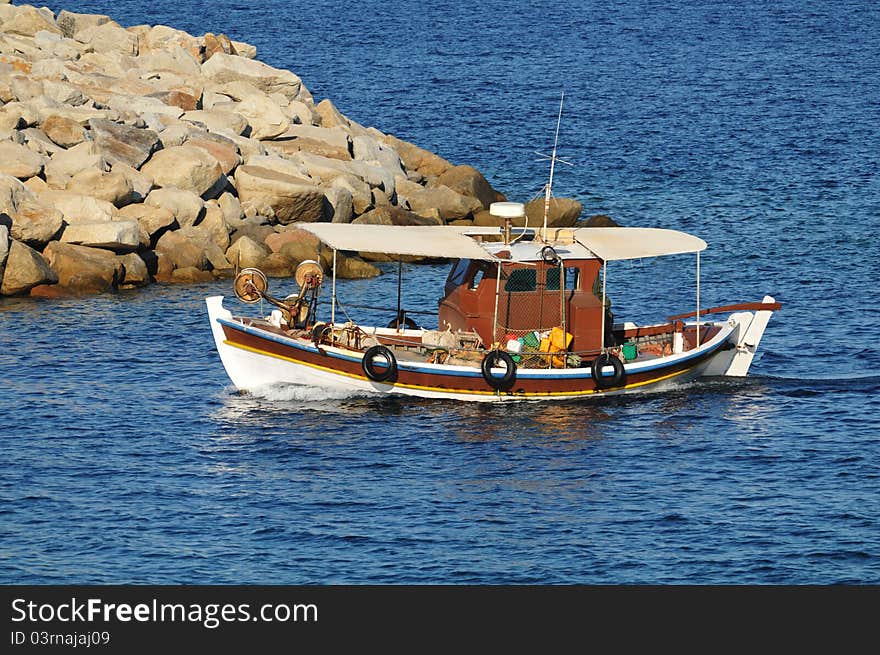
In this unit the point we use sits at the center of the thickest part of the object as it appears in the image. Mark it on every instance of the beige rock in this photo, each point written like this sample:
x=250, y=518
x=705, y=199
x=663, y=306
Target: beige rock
x=291, y=198
x=218, y=121
x=70, y=23
x=190, y=275
x=24, y=270
x=186, y=167
x=330, y=116
x=246, y=252
x=153, y=222
x=292, y=234
x=245, y=49
x=288, y=147
x=264, y=116
x=302, y=113
x=81, y=269
x=451, y=205
x=218, y=43
x=468, y=181
x=337, y=137
x=600, y=220
x=19, y=161
x=355, y=268
x=12, y=193
x=213, y=226
x=109, y=37
x=113, y=187
x=28, y=20
x=391, y=215
x=186, y=207
x=564, y=212
x=162, y=37
x=118, y=236
x=279, y=164
x=64, y=165
x=77, y=208
x=278, y=264
x=229, y=68
x=141, y=184
x=25, y=88
x=63, y=92
x=136, y=273
x=35, y=224
x=63, y=131
x=122, y=143
x=361, y=197
x=231, y=208
x=255, y=229
x=415, y=158
x=181, y=251
x=341, y=204
x=220, y=148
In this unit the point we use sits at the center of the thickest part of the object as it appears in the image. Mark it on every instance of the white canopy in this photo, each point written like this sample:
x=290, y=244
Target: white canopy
x=614, y=243
x=421, y=240
x=605, y=243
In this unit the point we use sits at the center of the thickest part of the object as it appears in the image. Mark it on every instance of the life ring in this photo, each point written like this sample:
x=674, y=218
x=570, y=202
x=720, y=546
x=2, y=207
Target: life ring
x=407, y=323
x=368, y=363
x=491, y=360
x=618, y=379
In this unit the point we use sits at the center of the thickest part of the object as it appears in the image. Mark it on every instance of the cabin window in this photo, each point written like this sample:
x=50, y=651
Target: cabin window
x=479, y=274
x=458, y=274
x=522, y=279
x=571, y=278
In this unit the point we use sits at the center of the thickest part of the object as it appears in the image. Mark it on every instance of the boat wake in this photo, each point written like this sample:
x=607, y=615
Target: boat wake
x=302, y=393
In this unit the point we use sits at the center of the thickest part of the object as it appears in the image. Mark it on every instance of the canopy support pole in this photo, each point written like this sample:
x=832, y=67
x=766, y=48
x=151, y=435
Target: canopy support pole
x=698, y=299
x=497, y=295
x=604, y=307
x=399, y=318
x=333, y=293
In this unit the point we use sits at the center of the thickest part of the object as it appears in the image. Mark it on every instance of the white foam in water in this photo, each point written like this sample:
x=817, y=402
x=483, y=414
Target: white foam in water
x=301, y=393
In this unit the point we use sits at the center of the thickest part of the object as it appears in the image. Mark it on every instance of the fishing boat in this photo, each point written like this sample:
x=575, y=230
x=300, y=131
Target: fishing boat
x=523, y=315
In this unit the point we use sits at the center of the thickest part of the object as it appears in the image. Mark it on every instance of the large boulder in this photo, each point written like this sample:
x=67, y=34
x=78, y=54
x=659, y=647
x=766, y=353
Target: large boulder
x=217, y=120
x=341, y=204
x=25, y=269
x=220, y=148
x=418, y=159
x=468, y=181
x=136, y=273
x=36, y=224
x=246, y=253
x=109, y=37
x=152, y=221
x=64, y=165
x=186, y=207
x=355, y=268
x=450, y=204
x=186, y=167
x=19, y=161
x=63, y=131
x=290, y=198
x=77, y=208
x=81, y=269
x=123, y=143
x=181, y=251
x=118, y=236
x=391, y=215
x=563, y=212
x=222, y=68
x=113, y=187
x=28, y=20
x=264, y=116
x=70, y=22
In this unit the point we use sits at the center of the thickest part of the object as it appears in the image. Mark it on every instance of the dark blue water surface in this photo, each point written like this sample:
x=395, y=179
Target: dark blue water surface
x=126, y=457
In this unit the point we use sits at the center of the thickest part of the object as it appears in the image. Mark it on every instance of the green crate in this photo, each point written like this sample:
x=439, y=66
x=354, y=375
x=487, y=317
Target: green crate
x=630, y=352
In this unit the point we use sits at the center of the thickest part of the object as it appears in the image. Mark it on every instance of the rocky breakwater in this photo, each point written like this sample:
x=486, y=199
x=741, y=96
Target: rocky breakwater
x=145, y=154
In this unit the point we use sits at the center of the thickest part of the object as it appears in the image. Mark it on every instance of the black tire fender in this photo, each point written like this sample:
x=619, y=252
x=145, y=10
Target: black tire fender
x=368, y=363
x=491, y=360
x=618, y=379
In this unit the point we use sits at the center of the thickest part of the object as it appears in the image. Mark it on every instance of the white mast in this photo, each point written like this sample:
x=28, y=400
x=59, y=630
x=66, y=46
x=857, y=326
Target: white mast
x=553, y=159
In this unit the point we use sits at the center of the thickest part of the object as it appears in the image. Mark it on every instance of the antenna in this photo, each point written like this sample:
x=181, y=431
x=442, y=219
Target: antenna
x=553, y=159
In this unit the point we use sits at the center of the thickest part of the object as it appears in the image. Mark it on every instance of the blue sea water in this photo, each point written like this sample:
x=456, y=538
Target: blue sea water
x=126, y=458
